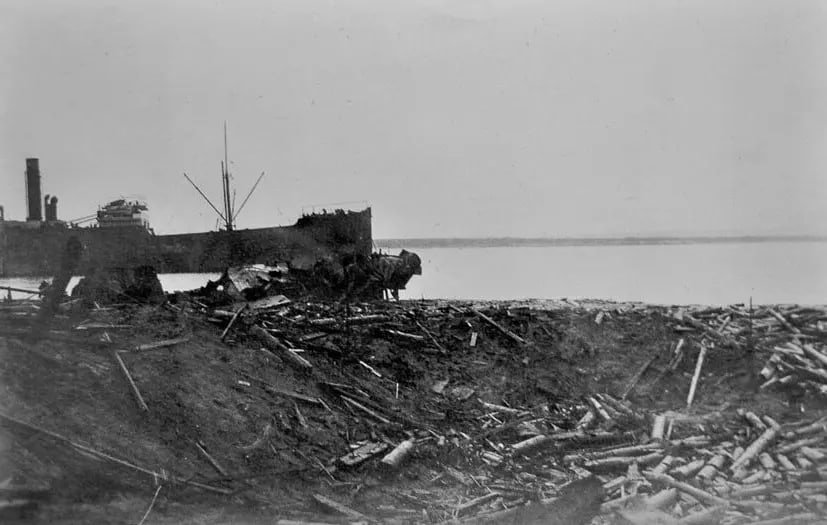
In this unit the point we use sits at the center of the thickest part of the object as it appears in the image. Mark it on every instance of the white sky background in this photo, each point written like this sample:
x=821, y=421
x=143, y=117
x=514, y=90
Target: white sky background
x=453, y=118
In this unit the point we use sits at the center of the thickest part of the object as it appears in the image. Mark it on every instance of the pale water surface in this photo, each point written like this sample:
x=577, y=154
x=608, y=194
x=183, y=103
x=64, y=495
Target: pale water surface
x=772, y=272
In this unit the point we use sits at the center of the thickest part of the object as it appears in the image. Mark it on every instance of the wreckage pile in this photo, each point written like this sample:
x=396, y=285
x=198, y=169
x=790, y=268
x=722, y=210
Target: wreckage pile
x=431, y=412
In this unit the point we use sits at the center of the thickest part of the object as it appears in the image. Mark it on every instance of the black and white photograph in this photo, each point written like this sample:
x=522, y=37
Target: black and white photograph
x=443, y=262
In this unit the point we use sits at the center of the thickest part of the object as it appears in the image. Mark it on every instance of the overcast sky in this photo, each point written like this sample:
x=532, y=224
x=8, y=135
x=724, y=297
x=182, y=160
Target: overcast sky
x=452, y=118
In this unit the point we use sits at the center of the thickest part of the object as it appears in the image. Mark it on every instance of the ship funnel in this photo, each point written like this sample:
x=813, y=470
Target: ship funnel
x=53, y=208
x=33, y=190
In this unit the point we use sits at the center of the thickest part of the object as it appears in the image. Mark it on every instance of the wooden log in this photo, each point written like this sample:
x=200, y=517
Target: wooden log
x=712, y=467
x=366, y=410
x=278, y=348
x=398, y=455
x=693, y=385
x=473, y=342
x=635, y=450
x=530, y=444
x=711, y=331
x=792, y=519
x=803, y=462
x=755, y=448
x=755, y=421
x=618, y=462
x=636, y=378
x=501, y=408
x=139, y=399
x=812, y=454
x=658, y=426
x=766, y=461
x=405, y=335
x=599, y=408
x=698, y=494
x=476, y=502
x=338, y=507
x=790, y=447
x=163, y=344
x=703, y=517
x=664, y=465
x=217, y=466
x=783, y=321
x=514, y=337
x=815, y=354
x=662, y=499
x=232, y=321
x=585, y=421
x=755, y=477
x=785, y=462
x=819, y=426
x=362, y=454
x=431, y=337
x=690, y=469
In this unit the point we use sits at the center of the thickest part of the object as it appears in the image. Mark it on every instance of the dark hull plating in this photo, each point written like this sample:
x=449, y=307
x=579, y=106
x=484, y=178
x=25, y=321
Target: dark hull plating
x=34, y=249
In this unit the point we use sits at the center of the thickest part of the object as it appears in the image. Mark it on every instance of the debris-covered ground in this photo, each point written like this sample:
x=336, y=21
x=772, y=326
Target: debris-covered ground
x=412, y=412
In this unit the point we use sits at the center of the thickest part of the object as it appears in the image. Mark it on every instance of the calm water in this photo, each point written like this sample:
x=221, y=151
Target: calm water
x=671, y=274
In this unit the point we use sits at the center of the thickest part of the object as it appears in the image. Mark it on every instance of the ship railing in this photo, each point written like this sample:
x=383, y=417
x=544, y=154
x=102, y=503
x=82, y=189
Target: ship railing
x=330, y=206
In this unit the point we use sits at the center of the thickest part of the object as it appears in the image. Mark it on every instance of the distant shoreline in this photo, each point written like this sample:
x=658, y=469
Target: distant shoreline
x=526, y=242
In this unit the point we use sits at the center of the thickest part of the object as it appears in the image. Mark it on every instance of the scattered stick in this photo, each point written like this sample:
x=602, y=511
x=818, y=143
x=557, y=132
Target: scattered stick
x=151, y=504
x=135, y=392
x=338, y=507
x=162, y=344
x=273, y=344
x=511, y=335
x=211, y=460
x=476, y=502
x=635, y=378
x=783, y=321
x=473, y=342
x=232, y=321
x=431, y=337
x=755, y=448
x=396, y=456
x=693, y=385
x=698, y=494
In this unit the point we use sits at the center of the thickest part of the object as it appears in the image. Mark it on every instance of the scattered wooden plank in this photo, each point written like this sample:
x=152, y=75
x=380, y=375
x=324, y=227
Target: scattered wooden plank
x=399, y=454
x=163, y=344
x=511, y=335
x=431, y=337
x=217, y=466
x=135, y=392
x=694, y=384
x=636, y=378
x=362, y=454
x=338, y=507
x=698, y=494
x=755, y=448
x=232, y=321
x=476, y=502
x=274, y=344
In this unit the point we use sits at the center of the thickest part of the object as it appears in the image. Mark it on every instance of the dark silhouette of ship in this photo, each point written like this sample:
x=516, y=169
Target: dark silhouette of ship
x=122, y=237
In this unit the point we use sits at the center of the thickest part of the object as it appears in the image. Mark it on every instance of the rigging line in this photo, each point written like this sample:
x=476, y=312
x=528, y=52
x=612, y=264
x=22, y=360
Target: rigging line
x=205, y=197
x=249, y=194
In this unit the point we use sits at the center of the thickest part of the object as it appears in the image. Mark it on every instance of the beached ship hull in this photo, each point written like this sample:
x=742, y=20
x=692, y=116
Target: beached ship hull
x=34, y=248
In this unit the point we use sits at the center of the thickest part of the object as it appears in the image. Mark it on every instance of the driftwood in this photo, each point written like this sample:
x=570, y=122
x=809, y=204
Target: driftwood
x=636, y=378
x=163, y=344
x=511, y=335
x=232, y=321
x=398, y=455
x=338, y=507
x=694, y=384
x=135, y=392
x=698, y=494
x=755, y=448
x=274, y=344
x=362, y=454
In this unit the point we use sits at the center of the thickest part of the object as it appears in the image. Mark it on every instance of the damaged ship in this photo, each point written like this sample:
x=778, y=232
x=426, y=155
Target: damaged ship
x=122, y=237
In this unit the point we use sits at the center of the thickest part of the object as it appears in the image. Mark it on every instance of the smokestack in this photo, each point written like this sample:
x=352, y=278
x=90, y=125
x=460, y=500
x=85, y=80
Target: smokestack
x=53, y=208
x=33, y=190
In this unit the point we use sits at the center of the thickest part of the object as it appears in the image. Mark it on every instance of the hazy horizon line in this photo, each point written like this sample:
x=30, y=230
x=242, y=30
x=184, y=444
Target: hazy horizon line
x=435, y=242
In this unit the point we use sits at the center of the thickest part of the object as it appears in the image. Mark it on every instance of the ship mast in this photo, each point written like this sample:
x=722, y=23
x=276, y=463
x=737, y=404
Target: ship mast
x=230, y=214
x=225, y=184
